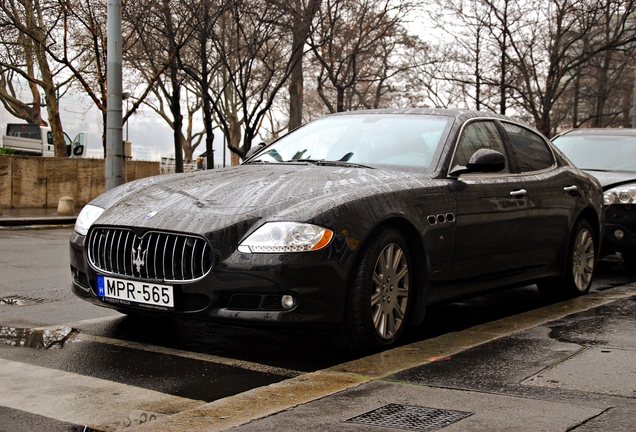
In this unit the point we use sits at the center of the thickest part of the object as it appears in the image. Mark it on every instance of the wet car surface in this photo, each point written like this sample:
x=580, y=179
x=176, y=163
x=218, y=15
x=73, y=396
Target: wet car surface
x=354, y=223
x=610, y=156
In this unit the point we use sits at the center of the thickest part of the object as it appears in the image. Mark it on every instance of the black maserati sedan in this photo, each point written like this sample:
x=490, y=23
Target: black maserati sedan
x=354, y=223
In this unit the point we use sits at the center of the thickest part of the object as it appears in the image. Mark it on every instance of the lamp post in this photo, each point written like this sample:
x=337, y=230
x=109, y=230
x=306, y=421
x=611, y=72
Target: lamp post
x=115, y=158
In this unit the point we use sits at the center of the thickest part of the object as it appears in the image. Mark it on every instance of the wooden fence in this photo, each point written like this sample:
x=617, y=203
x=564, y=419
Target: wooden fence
x=31, y=182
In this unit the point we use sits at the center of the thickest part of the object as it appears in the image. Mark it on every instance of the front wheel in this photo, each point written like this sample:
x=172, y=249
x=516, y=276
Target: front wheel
x=580, y=263
x=380, y=295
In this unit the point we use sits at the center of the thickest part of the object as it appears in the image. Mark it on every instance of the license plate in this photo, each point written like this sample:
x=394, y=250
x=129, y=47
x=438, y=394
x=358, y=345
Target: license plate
x=127, y=292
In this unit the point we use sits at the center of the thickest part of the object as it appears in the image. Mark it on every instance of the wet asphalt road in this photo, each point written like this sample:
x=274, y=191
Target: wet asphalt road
x=188, y=359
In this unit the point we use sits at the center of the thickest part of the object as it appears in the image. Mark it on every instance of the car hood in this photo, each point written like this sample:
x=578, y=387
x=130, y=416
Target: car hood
x=205, y=201
x=609, y=179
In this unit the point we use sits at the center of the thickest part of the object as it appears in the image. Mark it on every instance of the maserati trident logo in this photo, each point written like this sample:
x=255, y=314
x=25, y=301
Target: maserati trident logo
x=139, y=259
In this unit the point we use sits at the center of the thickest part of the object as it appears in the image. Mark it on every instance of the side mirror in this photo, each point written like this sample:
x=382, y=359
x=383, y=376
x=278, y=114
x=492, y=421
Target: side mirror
x=483, y=161
x=252, y=151
x=78, y=151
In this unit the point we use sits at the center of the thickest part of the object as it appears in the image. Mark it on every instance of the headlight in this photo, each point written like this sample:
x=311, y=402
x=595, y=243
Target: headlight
x=284, y=237
x=87, y=216
x=625, y=194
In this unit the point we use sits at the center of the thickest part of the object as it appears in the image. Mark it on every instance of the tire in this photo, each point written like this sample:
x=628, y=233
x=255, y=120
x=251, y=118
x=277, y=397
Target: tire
x=380, y=295
x=579, y=268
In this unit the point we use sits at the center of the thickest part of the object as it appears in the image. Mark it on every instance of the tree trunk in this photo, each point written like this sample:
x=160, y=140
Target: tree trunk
x=47, y=83
x=175, y=107
x=502, y=100
x=296, y=81
x=209, y=133
x=175, y=99
x=300, y=31
x=340, y=99
x=575, y=104
x=544, y=124
x=235, y=141
x=207, y=106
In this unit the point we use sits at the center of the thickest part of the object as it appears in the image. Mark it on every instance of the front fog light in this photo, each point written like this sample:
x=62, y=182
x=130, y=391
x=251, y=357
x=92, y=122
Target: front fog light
x=287, y=302
x=619, y=234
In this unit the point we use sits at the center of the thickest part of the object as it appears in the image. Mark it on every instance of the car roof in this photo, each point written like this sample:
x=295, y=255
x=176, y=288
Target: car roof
x=459, y=114
x=599, y=131
x=447, y=112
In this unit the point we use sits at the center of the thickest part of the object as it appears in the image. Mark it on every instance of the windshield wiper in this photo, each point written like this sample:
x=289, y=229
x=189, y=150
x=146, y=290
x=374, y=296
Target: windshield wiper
x=323, y=162
x=258, y=162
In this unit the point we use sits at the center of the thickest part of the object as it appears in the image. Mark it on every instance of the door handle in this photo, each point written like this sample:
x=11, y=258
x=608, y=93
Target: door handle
x=572, y=190
x=519, y=193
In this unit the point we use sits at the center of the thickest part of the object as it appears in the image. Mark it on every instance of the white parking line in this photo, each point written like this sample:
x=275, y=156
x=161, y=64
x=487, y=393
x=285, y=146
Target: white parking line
x=256, y=367
x=83, y=400
x=242, y=364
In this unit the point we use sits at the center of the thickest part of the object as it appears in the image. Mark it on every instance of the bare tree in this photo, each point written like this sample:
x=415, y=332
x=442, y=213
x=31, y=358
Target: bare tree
x=29, y=29
x=197, y=61
x=300, y=15
x=77, y=46
x=162, y=29
x=254, y=52
x=352, y=43
x=554, y=40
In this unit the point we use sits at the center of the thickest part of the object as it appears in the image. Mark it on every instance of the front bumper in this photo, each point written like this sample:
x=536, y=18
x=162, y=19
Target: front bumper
x=245, y=288
x=620, y=229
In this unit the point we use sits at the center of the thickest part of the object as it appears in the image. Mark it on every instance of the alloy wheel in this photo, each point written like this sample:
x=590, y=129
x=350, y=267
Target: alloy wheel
x=390, y=291
x=583, y=259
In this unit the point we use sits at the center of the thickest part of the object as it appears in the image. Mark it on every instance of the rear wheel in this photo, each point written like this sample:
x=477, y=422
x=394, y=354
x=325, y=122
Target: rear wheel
x=580, y=265
x=380, y=295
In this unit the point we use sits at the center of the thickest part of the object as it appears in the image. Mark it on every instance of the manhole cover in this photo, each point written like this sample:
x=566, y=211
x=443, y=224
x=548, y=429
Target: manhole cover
x=21, y=301
x=407, y=417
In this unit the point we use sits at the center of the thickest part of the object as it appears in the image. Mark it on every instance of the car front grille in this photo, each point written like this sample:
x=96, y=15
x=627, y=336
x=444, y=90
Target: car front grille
x=154, y=255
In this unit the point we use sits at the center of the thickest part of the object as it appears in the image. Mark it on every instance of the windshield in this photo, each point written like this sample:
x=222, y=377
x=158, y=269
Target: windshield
x=368, y=139
x=599, y=152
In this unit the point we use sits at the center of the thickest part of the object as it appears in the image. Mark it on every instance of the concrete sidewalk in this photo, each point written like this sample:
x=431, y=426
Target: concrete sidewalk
x=34, y=217
x=564, y=367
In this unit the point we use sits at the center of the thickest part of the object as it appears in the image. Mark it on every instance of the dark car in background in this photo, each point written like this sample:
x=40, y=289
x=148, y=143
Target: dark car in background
x=353, y=223
x=610, y=156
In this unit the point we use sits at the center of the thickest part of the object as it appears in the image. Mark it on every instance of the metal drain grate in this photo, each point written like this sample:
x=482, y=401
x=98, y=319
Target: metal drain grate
x=407, y=417
x=21, y=301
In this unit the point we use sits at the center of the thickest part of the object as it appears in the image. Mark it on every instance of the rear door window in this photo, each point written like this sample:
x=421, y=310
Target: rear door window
x=533, y=153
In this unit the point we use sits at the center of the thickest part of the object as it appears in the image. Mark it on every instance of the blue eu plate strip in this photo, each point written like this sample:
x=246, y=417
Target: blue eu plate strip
x=100, y=286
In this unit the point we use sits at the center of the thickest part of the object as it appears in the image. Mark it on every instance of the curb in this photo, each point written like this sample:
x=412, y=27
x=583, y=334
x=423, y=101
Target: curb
x=36, y=222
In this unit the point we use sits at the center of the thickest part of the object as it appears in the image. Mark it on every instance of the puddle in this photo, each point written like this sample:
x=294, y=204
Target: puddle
x=21, y=301
x=37, y=338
